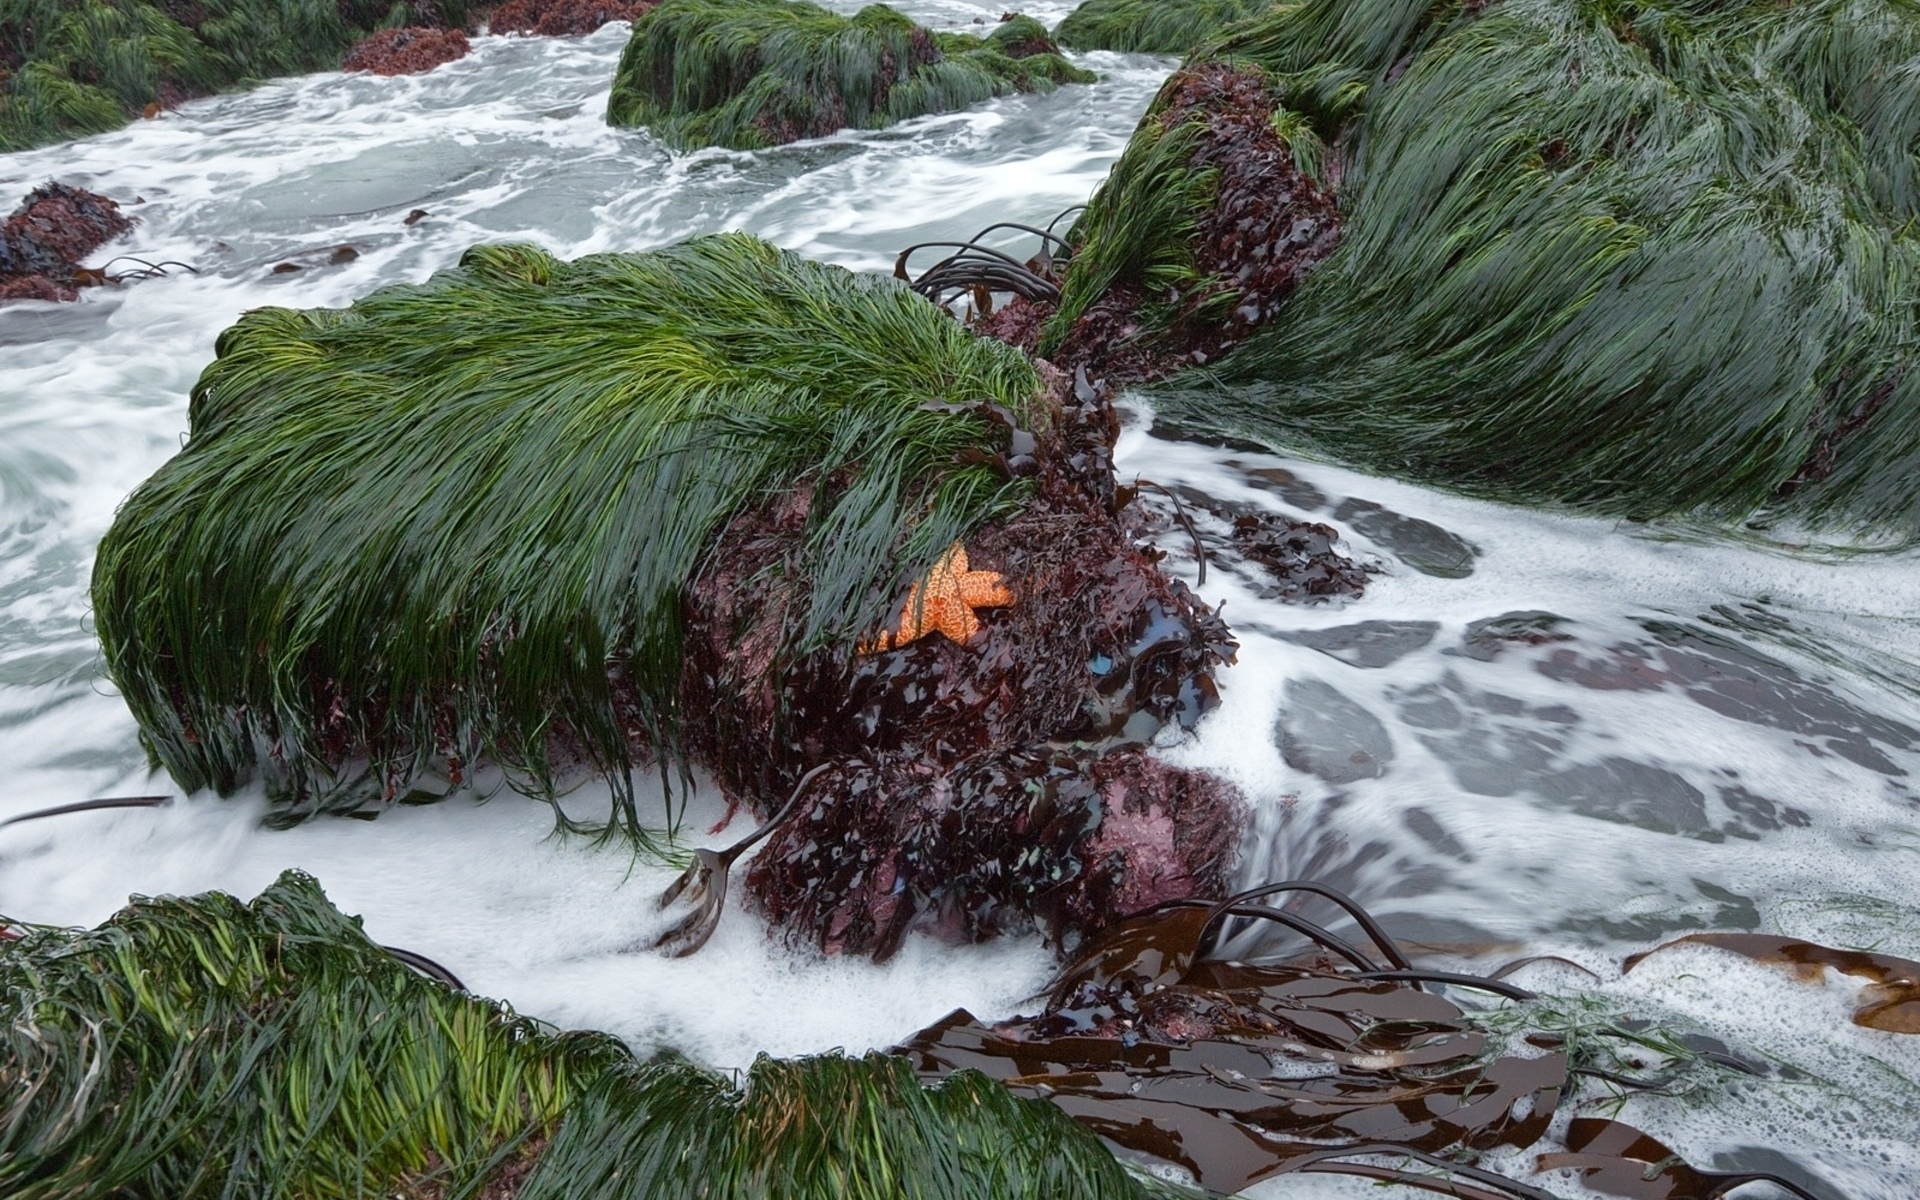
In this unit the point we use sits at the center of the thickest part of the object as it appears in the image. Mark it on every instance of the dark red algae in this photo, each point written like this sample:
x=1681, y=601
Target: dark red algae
x=44, y=239
x=995, y=787
x=410, y=51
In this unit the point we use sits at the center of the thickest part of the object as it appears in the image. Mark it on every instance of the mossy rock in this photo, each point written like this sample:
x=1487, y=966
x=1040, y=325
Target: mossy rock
x=70, y=68
x=1151, y=26
x=202, y=1047
x=456, y=521
x=1648, y=257
x=747, y=74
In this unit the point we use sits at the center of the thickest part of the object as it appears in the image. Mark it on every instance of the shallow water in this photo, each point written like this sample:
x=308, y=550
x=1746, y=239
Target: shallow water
x=1691, y=730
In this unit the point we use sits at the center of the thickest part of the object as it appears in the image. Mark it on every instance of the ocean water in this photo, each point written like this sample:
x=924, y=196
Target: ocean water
x=1536, y=734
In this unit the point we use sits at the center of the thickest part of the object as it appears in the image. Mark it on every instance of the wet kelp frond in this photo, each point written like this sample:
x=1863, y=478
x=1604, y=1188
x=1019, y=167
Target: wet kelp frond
x=69, y=68
x=1650, y=257
x=1151, y=26
x=202, y=1048
x=747, y=74
x=454, y=521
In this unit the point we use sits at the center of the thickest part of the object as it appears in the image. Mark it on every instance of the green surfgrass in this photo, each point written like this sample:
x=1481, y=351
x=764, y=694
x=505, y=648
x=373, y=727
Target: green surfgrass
x=1646, y=256
x=89, y=66
x=1151, y=26
x=203, y=1048
x=453, y=522
x=747, y=74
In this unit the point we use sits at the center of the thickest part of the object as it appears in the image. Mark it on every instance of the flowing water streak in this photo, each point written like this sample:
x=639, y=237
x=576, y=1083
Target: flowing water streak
x=1725, y=738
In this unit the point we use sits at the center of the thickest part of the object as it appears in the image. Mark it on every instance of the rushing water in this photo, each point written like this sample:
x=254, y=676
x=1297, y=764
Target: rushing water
x=1692, y=730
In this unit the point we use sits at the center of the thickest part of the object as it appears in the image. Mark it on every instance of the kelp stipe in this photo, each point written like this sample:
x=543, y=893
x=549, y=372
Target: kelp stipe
x=1649, y=258
x=454, y=521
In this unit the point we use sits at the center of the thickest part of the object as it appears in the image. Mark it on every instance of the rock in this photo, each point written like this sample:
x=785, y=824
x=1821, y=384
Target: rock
x=1422, y=545
x=1368, y=644
x=44, y=239
x=1322, y=732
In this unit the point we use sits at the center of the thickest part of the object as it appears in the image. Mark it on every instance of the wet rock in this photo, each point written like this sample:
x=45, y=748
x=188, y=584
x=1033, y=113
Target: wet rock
x=411, y=51
x=1369, y=644
x=1322, y=732
x=45, y=239
x=1755, y=814
x=1422, y=545
x=1265, y=227
x=1633, y=793
x=1487, y=637
x=563, y=18
x=1300, y=558
x=977, y=789
x=1425, y=826
x=1744, y=684
x=1285, y=484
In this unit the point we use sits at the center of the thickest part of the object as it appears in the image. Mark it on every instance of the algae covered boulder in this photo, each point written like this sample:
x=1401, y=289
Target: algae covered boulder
x=1151, y=26
x=1653, y=258
x=203, y=1047
x=569, y=519
x=454, y=522
x=747, y=74
x=69, y=68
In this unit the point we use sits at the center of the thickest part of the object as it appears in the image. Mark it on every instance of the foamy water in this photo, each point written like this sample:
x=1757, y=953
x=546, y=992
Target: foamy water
x=1721, y=733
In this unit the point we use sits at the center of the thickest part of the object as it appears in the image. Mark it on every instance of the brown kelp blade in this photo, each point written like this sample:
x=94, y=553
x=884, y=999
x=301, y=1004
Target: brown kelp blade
x=1619, y=1160
x=701, y=889
x=1239, y=1071
x=1890, y=1004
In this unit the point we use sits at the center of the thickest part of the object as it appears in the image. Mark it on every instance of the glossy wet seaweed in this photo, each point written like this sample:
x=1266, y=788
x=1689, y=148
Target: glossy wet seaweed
x=1649, y=257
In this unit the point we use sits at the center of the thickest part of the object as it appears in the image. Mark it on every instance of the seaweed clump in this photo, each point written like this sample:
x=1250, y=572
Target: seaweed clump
x=1649, y=258
x=456, y=521
x=408, y=51
x=747, y=74
x=70, y=68
x=44, y=239
x=199, y=1048
x=1151, y=26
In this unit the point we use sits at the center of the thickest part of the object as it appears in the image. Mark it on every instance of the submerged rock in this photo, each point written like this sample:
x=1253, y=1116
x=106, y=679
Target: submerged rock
x=746, y=74
x=409, y=51
x=45, y=239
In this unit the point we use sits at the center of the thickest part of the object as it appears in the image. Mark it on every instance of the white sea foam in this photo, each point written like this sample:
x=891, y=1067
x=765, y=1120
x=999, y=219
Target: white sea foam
x=1760, y=779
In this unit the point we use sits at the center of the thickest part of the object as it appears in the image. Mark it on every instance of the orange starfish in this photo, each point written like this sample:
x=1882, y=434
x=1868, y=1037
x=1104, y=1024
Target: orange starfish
x=944, y=601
